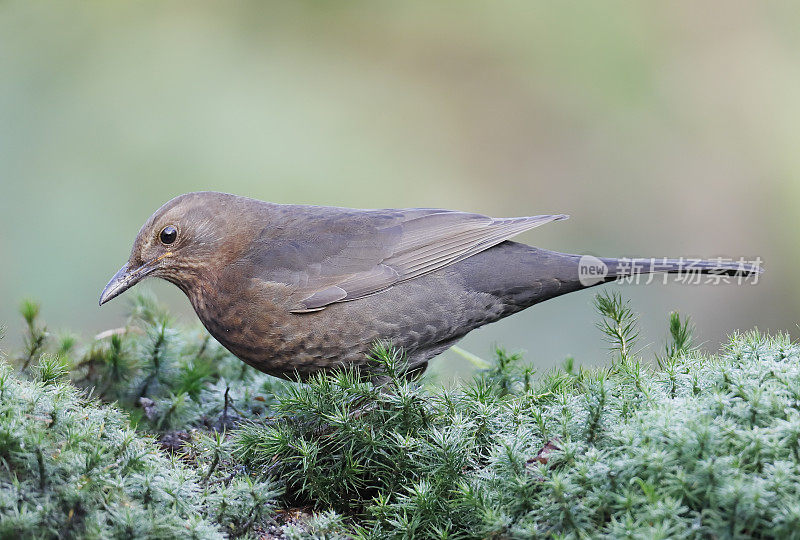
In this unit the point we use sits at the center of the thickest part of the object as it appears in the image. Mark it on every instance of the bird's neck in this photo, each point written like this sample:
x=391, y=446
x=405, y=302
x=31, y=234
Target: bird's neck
x=198, y=287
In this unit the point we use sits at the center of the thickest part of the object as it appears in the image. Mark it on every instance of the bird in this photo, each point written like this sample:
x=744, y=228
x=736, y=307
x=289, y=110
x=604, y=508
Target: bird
x=295, y=290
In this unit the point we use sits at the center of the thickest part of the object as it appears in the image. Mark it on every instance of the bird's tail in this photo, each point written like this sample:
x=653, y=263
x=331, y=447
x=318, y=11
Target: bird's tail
x=532, y=275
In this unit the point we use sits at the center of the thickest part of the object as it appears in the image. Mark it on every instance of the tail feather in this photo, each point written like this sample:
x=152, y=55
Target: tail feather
x=533, y=275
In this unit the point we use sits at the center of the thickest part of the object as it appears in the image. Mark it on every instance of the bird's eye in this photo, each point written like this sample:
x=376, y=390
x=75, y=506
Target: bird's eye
x=168, y=234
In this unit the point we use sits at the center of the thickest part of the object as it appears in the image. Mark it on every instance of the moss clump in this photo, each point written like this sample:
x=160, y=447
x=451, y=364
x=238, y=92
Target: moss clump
x=166, y=376
x=71, y=467
x=703, y=447
x=690, y=445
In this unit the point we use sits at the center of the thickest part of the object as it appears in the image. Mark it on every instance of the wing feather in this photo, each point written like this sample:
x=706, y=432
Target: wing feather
x=417, y=246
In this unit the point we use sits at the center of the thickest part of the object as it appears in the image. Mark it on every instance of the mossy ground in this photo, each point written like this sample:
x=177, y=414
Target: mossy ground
x=689, y=445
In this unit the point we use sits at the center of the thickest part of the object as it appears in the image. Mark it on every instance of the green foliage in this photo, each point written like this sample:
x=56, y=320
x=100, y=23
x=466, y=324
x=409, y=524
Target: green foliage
x=51, y=369
x=707, y=448
x=70, y=467
x=167, y=377
x=681, y=339
x=692, y=447
x=35, y=337
x=618, y=323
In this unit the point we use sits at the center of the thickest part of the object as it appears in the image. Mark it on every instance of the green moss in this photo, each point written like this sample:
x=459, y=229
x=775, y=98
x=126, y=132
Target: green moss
x=689, y=445
x=166, y=376
x=704, y=447
x=70, y=467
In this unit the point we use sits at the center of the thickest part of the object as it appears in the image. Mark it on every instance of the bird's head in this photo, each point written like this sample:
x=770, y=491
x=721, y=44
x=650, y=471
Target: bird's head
x=186, y=237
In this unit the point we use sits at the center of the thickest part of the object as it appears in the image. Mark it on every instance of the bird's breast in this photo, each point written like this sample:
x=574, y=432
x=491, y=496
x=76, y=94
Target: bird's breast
x=258, y=328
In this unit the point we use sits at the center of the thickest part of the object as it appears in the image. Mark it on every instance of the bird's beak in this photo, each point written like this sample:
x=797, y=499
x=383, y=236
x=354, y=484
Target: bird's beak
x=123, y=280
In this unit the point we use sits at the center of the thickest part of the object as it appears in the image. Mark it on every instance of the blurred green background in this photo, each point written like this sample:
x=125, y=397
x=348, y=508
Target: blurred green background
x=662, y=128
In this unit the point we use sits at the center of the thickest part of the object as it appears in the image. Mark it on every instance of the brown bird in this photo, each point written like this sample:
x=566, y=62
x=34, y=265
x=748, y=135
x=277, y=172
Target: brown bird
x=293, y=289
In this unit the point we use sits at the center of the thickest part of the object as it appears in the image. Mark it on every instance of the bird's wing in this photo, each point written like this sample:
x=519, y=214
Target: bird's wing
x=416, y=243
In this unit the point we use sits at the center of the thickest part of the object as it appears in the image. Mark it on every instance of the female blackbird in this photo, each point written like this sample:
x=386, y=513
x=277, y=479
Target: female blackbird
x=293, y=289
